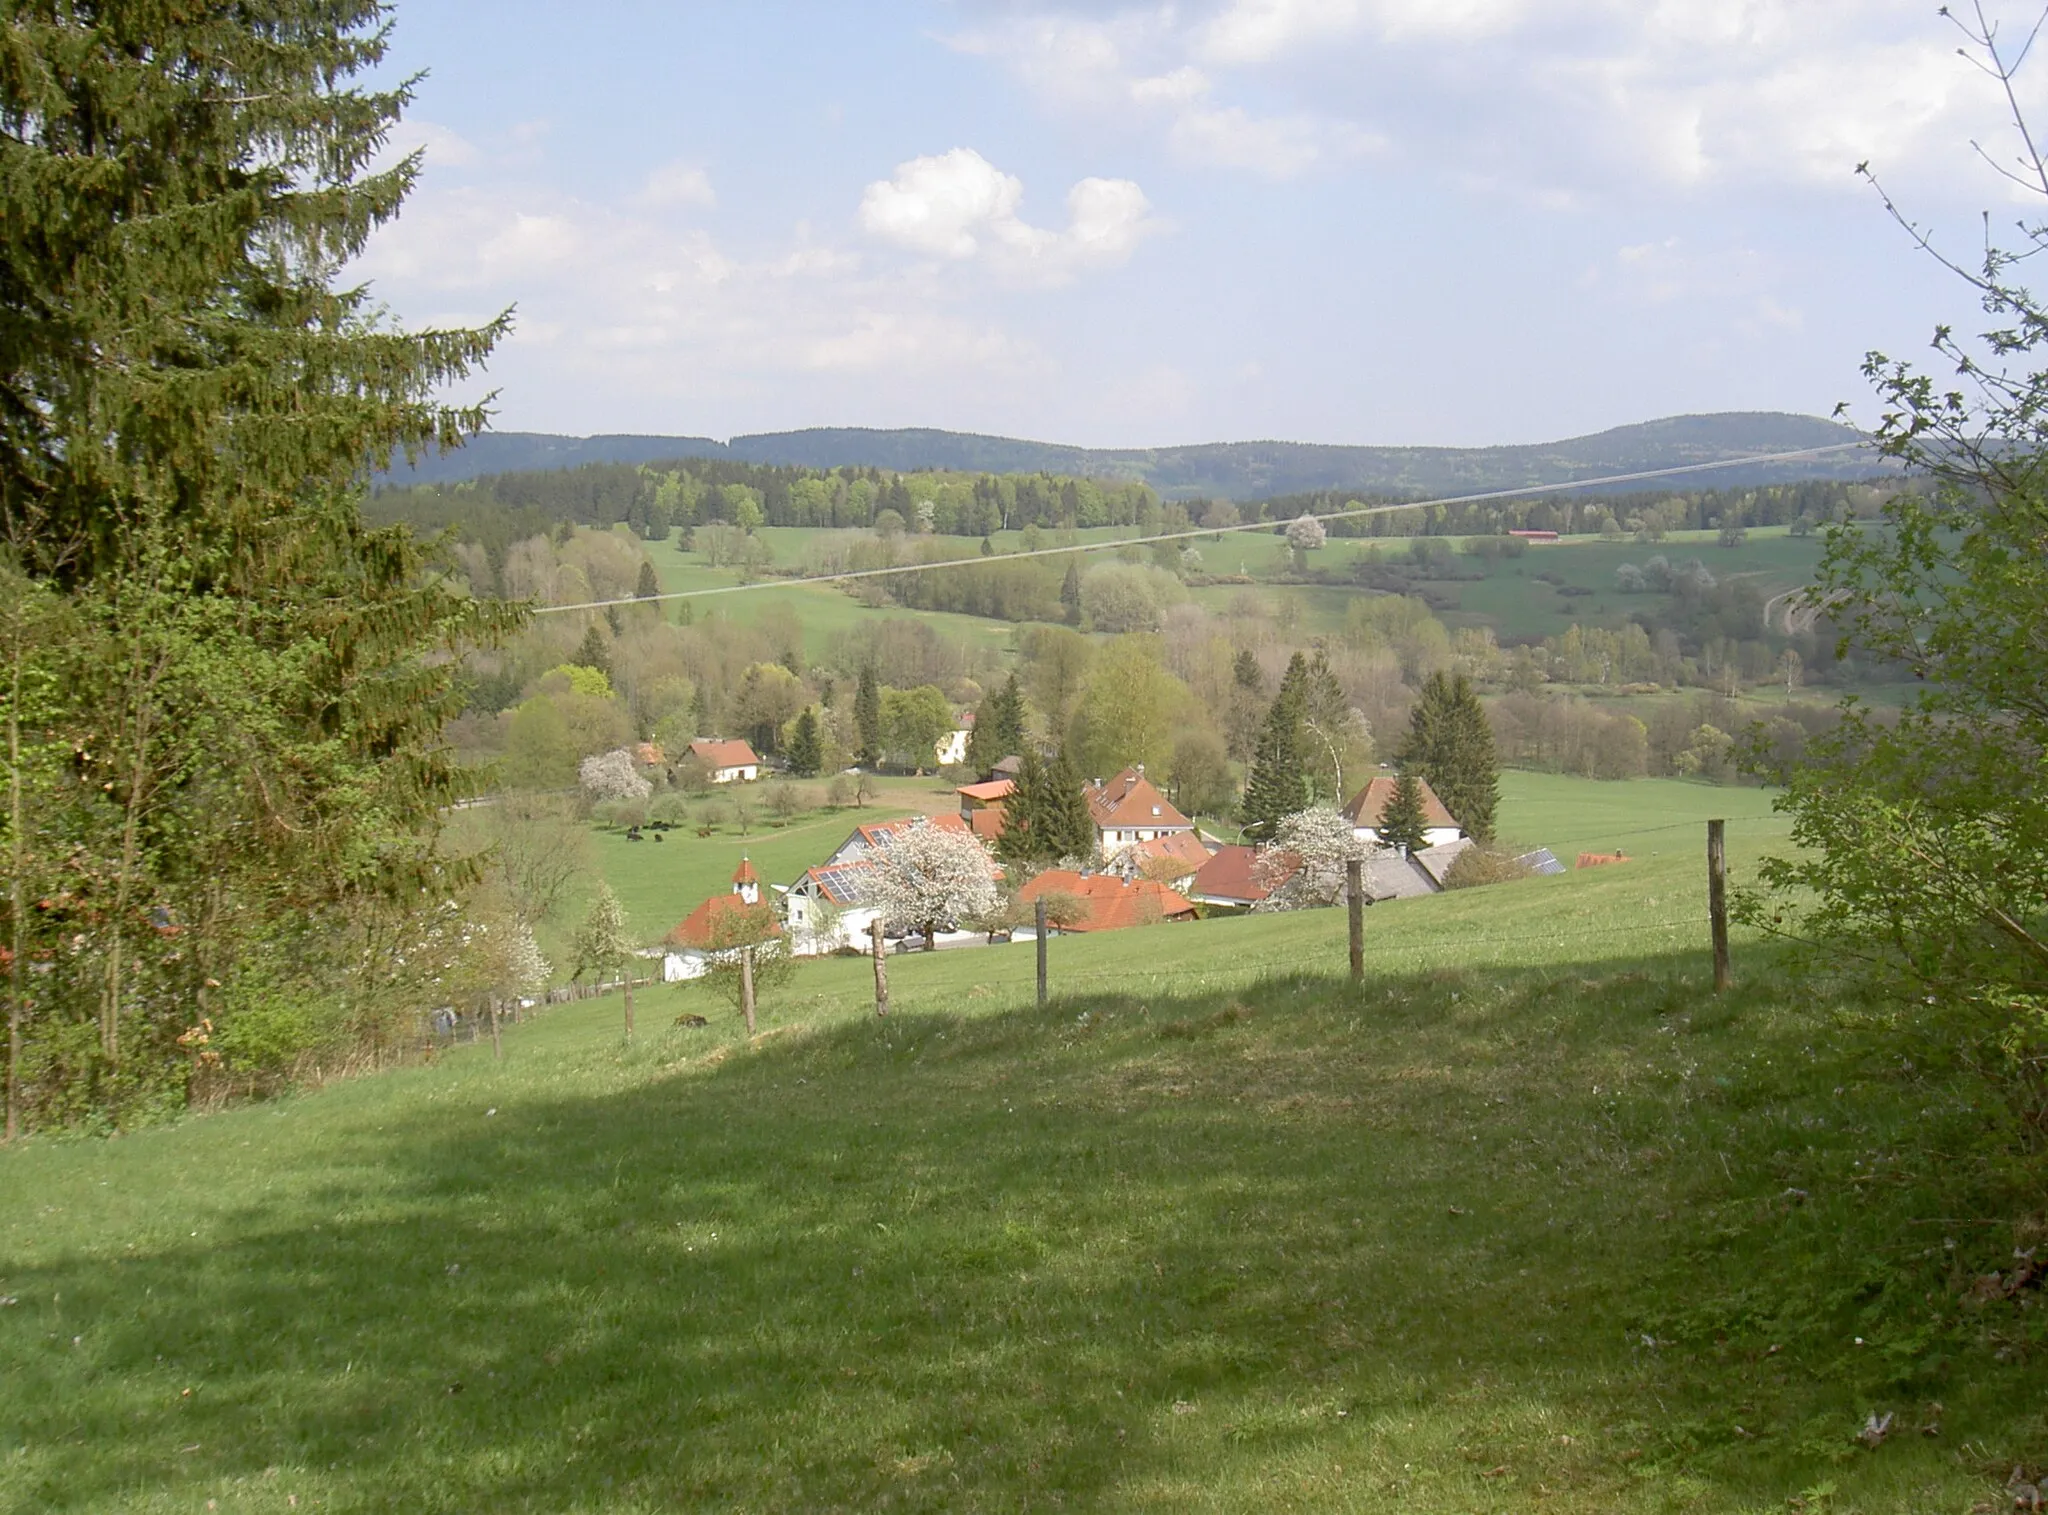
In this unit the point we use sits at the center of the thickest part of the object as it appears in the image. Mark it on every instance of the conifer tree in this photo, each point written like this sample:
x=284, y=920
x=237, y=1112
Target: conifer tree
x=1450, y=743
x=188, y=406
x=1070, y=590
x=650, y=584
x=867, y=717
x=1403, y=823
x=1068, y=825
x=806, y=745
x=998, y=728
x=1023, y=835
x=594, y=652
x=1277, y=785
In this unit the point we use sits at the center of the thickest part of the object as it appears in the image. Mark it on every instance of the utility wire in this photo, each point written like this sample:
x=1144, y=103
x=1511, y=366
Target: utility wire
x=1210, y=531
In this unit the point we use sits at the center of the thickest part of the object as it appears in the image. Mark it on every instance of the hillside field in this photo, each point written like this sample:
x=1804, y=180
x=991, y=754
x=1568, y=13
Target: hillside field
x=1530, y=1221
x=1513, y=597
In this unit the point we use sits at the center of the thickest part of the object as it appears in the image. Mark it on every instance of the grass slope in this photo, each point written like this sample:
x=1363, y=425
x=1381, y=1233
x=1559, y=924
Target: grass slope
x=1530, y=1221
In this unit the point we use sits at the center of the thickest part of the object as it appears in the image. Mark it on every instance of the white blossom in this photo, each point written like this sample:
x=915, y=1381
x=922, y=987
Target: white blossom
x=926, y=875
x=1304, y=863
x=1305, y=533
x=612, y=776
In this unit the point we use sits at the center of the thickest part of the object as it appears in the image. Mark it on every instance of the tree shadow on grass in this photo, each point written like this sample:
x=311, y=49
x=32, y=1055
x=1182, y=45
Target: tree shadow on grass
x=1121, y=1251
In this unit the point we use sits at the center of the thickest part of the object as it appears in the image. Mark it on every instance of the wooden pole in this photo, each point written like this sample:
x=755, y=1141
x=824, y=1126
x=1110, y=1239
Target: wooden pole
x=629, y=1002
x=1038, y=914
x=1717, y=899
x=497, y=1047
x=747, y=986
x=881, y=968
x=1354, y=898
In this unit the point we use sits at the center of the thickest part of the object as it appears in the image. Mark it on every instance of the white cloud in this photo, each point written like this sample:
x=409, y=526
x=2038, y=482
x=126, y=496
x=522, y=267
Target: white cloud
x=1133, y=68
x=1560, y=99
x=957, y=205
x=675, y=185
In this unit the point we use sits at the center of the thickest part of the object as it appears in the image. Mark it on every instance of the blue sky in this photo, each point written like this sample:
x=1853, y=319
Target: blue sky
x=1367, y=221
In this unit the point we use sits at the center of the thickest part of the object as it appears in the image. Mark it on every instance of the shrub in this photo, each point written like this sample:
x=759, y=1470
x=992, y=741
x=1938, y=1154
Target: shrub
x=1478, y=865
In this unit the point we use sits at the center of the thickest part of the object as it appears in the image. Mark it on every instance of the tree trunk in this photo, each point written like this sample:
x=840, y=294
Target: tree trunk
x=931, y=936
x=497, y=1047
x=747, y=986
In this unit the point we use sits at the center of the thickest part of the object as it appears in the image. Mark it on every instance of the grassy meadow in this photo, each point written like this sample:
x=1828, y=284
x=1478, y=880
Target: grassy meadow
x=1529, y=1221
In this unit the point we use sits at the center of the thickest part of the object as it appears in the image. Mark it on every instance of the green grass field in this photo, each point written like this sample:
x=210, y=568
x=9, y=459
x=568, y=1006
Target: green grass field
x=1530, y=1220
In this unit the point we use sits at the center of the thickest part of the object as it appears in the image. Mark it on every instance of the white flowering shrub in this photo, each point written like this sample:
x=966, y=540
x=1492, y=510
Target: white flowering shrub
x=612, y=776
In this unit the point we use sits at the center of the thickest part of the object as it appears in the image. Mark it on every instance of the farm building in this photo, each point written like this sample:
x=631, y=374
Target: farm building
x=1370, y=803
x=981, y=806
x=727, y=762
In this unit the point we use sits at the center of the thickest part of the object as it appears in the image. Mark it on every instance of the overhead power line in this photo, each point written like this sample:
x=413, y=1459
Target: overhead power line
x=1209, y=531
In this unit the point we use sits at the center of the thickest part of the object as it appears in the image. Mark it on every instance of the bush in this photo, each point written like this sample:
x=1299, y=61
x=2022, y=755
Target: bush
x=1478, y=865
x=619, y=814
x=840, y=792
x=671, y=808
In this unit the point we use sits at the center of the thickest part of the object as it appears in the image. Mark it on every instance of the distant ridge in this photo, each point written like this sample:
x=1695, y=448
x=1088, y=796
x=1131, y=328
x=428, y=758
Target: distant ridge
x=1228, y=470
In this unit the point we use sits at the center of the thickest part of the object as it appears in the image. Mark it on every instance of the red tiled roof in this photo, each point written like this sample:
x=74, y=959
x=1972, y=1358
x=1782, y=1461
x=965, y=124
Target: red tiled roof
x=696, y=929
x=745, y=874
x=1173, y=856
x=727, y=754
x=877, y=833
x=1232, y=874
x=1370, y=803
x=1112, y=903
x=648, y=753
x=1130, y=802
x=989, y=793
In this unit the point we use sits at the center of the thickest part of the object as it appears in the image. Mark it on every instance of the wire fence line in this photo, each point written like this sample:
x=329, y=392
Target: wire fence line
x=1384, y=956
x=1481, y=497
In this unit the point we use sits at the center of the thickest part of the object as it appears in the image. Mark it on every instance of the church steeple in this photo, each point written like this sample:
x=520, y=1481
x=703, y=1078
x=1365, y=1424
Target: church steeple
x=746, y=883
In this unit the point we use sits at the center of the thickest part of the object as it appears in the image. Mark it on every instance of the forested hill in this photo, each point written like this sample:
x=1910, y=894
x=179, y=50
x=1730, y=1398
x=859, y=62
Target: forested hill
x=1221, y=470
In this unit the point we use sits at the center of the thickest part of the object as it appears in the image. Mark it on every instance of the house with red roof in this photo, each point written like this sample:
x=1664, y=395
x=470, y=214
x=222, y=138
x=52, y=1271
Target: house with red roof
x=727, y=762
x=1370, y=803
x=1230, y=877
x=1172, y=859
x=982, y=806
x=1129, y=809
x=1110, y=903
x=698, y=939
x=833, y=905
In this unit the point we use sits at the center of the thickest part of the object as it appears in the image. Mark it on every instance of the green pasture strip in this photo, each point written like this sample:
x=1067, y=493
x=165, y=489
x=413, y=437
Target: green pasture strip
x=1568, y=1233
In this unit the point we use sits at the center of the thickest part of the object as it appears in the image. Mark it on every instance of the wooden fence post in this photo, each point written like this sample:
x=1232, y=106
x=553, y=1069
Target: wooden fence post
x=1717, y=899
x=497, y=1047
x=628, y=980
x=1038, y=915
x=1354, y=899
x=881, y=968
x=747, y=986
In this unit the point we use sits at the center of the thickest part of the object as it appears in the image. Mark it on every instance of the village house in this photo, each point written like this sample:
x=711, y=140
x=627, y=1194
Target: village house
x=1370, y=803
x=951, y=749
x=833, y=905
x=830, y=908
x=981, y=806
x=727, y=762
x=1172, y=859
x=1110, y=903
x=690, y=948
x=1130, y=809
x=1230, y=877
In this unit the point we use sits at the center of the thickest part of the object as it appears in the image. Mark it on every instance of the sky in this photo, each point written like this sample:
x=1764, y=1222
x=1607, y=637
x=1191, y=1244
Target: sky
x=1444, y=222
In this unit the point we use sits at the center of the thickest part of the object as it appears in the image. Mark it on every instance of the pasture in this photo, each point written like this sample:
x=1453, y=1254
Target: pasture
x=1531, y=1220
